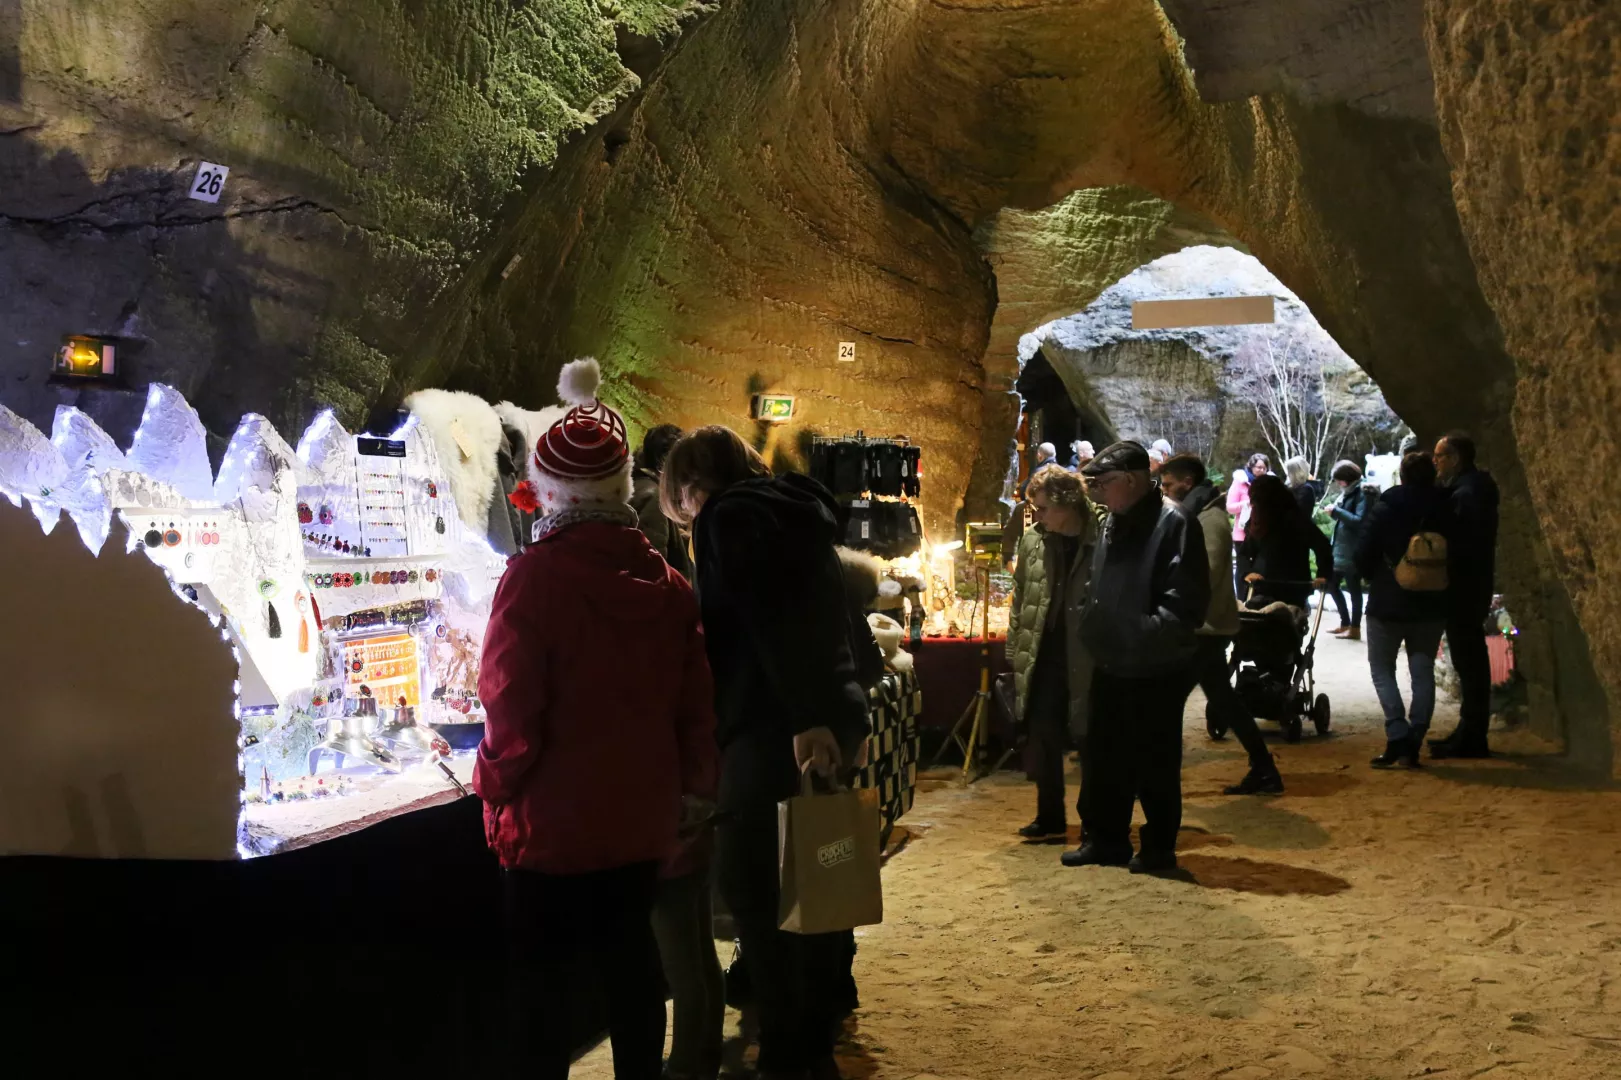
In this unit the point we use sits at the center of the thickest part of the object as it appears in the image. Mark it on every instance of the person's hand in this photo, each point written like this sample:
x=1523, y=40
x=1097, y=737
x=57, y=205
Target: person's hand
x=862, y=752
x=695, y=812
x=1319, y=583
x=818, y=750
x=1253, y=578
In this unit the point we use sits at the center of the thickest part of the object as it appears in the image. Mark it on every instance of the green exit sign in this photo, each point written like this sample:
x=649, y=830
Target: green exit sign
x=774, y=408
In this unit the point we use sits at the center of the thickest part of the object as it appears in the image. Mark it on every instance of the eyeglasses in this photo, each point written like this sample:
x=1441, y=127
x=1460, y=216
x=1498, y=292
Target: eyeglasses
x=1095, y=482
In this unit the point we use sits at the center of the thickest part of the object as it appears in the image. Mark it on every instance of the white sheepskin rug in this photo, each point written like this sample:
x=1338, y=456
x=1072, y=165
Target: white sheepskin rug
x=467, y=434
x=533, y=423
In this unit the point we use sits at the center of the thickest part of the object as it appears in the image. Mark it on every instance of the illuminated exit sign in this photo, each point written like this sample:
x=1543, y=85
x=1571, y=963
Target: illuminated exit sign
x=774, y=408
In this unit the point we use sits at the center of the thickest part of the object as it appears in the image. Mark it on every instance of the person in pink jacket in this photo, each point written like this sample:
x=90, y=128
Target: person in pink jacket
x=1238, y=505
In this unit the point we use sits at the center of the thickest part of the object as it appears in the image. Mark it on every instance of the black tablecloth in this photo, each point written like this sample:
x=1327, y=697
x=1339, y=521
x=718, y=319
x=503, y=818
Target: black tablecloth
x=377, y=953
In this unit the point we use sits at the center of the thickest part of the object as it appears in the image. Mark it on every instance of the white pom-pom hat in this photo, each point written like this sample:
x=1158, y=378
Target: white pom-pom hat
x=585, y=456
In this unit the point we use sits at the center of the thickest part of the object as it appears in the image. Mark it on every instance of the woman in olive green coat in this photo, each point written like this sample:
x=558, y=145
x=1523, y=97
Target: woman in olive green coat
x=1052, y=671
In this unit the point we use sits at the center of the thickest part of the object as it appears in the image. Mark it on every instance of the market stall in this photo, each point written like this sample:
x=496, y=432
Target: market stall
x=347, y=587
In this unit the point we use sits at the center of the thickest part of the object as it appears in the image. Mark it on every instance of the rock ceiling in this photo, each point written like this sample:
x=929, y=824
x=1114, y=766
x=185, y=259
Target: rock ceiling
x=712, y=197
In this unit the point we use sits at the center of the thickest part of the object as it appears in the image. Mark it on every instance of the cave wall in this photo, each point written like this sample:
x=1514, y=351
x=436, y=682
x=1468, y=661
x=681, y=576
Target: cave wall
x=1528, y=95
x=371, y=144
x=711, y=198
x=1053, y=262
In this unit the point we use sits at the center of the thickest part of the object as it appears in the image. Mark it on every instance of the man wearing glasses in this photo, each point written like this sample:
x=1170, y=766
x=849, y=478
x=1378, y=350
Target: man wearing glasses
x=1150, y=588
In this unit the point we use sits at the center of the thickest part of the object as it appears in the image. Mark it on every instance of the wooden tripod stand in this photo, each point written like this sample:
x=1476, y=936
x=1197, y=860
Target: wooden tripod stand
x=974, y=718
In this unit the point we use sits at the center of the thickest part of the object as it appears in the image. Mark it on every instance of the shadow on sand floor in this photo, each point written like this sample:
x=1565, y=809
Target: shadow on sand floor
x=1259, y=878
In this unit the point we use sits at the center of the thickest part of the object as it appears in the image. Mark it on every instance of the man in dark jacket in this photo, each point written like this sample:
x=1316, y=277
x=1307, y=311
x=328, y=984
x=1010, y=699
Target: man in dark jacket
x=1150, y=590
x=1471, y=568
x=1398, y=616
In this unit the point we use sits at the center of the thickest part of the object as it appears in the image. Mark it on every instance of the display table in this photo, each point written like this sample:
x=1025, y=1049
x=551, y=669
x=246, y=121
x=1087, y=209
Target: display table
x=948, y=674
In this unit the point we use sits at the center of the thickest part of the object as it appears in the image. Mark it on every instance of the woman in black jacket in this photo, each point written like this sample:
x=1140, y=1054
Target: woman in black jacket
x=1279, y=543
x=1398, y=616
x=788, y=698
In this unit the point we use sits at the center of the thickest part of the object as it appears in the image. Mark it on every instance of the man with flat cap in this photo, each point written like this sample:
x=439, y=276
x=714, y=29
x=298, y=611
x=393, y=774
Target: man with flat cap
x=1150, y=589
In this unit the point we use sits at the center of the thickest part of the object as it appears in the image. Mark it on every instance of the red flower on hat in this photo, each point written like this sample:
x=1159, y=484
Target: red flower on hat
x=525, y=497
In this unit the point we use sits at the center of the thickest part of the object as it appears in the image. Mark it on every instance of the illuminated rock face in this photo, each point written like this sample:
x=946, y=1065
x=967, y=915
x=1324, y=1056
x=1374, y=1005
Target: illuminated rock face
x=1200, y=388
x=752, y=184
x=1528, y=96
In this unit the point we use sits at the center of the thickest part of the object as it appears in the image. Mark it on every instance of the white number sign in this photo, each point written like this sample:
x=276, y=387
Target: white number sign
x=209, y=182
x=847, y=351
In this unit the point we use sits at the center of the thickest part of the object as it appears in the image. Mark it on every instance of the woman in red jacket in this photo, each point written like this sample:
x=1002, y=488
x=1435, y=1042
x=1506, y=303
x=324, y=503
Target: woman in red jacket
x=584, y=771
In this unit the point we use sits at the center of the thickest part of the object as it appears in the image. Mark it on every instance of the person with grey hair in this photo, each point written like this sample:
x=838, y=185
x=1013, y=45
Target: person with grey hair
x=1046, y=454
x=1084, y=453
x=1051, y=668
x=1301, y=485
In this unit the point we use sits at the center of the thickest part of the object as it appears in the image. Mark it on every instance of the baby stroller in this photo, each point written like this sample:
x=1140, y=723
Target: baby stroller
x=1272, y=669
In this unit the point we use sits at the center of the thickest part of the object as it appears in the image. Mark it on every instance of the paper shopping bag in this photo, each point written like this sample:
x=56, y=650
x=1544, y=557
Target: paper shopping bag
x=827, y=847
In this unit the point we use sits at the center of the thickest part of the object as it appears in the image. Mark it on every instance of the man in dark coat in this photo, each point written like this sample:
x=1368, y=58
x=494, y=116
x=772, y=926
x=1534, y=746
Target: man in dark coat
x=1471, y=573
x=1150, y=590
x=1471, y=564
x=1399, y=617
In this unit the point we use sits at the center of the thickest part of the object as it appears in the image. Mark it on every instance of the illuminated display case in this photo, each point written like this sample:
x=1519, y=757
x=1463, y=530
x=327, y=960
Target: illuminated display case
x=351, y=591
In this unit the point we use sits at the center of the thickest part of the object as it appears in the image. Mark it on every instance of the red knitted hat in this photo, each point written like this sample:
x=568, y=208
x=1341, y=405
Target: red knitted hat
x=589, y=442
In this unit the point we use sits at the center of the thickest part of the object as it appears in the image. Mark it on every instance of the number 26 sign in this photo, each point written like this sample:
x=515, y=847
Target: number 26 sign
x=209, y=182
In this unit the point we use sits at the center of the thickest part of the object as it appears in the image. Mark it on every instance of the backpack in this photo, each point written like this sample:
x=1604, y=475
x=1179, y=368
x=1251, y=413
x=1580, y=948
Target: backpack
x=1424, y=567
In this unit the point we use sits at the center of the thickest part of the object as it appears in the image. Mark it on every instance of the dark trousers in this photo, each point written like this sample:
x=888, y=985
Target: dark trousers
x=1242, y=565
x=797, y=979
x=1046, y=711
x=567, y=932
x=683, y=923
x=1134, y=753
x=1347, y=576
x=1466, y=641
x=1216, y=680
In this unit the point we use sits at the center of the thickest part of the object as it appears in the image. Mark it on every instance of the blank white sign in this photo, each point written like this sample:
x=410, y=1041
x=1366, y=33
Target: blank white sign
x=1208, y=311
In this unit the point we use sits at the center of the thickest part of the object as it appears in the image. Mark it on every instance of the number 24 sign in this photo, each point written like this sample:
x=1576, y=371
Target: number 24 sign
x=209, y=182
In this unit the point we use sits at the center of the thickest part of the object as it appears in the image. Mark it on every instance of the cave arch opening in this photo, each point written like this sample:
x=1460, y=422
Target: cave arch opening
x=1285, y=388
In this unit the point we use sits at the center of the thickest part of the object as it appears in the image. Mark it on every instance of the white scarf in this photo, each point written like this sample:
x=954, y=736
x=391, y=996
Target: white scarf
x=611, y=513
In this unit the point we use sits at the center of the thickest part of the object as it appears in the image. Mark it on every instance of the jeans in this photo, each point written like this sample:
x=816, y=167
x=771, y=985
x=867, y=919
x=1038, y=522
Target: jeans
x=1348, y=576
x=1423, y=640
x=683, y=924
x=1216, y=680
x=1046, y=711
x=1466, y=640
x=1134, y=753
x=569, y=930
x=797, y=979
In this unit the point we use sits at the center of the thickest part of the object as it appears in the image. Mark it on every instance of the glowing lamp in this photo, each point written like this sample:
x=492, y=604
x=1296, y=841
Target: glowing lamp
x=83, y=357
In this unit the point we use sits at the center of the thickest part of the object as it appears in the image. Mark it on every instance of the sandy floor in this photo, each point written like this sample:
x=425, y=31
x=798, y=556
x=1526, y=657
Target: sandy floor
x=1464, y=921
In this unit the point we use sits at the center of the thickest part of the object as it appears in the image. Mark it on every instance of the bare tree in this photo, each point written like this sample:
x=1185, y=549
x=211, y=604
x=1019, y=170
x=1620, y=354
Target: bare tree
x=1292, y=404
